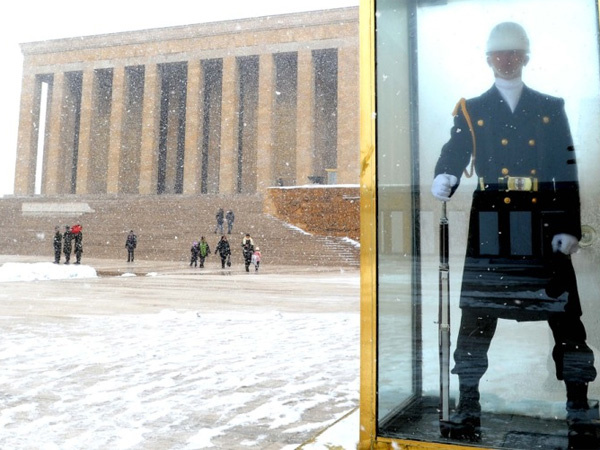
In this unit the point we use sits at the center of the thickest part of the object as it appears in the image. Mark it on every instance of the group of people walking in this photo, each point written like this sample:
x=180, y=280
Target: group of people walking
x=67, y=242
x=71, y=241
x=201, y=250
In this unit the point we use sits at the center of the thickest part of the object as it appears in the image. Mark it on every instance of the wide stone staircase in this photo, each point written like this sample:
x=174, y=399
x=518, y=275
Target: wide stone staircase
x=166, y=226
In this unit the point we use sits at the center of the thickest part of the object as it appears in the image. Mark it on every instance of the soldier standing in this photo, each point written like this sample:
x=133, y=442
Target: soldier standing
x=67, y=243
x=523, y=227
x=57, y=244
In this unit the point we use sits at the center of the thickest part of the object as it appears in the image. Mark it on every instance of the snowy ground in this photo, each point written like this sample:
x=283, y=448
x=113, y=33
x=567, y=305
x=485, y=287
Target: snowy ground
x=181, y=359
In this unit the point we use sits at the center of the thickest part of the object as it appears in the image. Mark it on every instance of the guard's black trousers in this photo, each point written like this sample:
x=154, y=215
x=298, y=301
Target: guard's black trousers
x=573, y=359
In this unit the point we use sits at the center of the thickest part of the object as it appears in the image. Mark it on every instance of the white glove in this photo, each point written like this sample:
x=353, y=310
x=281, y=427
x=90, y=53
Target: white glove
x=565, y=243
x=442, y=186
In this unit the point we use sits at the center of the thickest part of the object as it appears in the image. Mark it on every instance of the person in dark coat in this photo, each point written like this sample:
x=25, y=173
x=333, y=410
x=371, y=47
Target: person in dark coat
x=203, y=250
x=230, y=218
x=78, y=238
x=523, y=227
x=57, y=243
x=224, y=251
x=220, y=217
x=194, y=251
x=67, y=244
x=130, y=245
x=248, y=250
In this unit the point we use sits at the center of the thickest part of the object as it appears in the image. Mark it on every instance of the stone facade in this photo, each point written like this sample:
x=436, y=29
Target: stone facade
x=229, y=108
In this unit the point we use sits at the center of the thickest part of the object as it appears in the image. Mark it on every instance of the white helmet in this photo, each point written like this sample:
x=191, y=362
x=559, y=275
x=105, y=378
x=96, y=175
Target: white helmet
x=507, y=36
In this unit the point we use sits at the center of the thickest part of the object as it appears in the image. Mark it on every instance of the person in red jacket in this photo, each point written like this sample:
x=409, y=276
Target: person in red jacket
x=78, y=238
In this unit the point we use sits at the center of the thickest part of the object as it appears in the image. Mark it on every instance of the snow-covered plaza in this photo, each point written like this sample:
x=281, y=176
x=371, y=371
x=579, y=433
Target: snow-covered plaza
x=163, y=356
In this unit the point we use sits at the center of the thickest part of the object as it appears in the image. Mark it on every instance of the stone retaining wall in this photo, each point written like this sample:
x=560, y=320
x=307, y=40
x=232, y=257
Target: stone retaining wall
x=328, y=210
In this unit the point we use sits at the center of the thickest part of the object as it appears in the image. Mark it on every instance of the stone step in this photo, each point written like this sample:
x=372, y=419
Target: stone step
x=166, y=227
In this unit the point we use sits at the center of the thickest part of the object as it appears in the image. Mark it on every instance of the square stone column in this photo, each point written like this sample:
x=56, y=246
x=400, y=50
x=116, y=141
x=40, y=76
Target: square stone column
x=116, y=131
x=305, y=126
x=85, y=127
x=348, y=120
x=54, y=160
x=150, y=119
x=192, y=165
x=229, y=127
x=264, y=150
x=27, y=142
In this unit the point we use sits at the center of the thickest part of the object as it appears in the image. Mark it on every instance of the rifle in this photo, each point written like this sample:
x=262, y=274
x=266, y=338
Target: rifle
x=444, y=322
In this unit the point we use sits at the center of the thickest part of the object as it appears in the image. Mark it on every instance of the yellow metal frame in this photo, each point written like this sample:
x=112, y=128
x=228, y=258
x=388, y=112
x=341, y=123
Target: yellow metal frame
x=368, y=438
x=368, y=229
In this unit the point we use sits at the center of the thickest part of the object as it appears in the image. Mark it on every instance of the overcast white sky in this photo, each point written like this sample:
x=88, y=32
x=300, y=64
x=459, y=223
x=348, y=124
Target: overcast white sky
x=35, y=20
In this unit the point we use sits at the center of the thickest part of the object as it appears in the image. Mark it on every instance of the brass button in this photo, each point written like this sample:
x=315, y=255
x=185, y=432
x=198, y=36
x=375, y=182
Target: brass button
x=546, y=119
x=507, y=200
x=480, y=122
x=534, y=200
x=504, y=141
x=504, y=171
x=533, y=172
x=531, y=142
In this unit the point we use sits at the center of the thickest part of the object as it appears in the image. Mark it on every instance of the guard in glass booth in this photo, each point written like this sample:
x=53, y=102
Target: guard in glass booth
x=524, y=226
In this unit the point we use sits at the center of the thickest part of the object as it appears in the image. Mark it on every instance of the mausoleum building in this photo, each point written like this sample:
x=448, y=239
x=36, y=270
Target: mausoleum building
x=228, y=107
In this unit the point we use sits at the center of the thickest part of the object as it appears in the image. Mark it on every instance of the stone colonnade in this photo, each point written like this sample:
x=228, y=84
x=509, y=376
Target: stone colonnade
x=227, y=107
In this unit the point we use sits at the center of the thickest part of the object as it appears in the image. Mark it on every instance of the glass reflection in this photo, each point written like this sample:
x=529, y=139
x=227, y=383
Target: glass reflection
x=514, y=224
x=396, y=329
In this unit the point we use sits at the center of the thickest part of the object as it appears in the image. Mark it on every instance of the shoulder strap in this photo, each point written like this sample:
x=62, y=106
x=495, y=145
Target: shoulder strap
x=462, y=104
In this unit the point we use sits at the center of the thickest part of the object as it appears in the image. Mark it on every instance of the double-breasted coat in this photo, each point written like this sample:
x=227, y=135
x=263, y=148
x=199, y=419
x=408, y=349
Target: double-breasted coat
x=527, y=192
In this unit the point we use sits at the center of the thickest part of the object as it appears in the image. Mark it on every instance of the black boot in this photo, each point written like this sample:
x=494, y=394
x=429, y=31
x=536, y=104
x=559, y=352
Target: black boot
x=584, y=426
x=465, y=422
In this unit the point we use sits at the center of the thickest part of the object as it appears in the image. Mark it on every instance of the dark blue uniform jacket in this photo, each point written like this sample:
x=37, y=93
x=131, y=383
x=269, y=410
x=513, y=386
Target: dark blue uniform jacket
x=527, y=191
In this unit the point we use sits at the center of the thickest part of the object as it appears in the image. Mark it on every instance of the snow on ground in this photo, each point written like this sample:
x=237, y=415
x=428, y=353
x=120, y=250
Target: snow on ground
x=175, y=379
x=43, y=271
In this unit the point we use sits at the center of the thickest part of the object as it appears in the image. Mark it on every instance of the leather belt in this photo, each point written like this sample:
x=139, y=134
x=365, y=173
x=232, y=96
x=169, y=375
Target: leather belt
x=522, y=184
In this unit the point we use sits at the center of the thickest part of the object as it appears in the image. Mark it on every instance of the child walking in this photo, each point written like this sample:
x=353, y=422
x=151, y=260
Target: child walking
x=256, y=258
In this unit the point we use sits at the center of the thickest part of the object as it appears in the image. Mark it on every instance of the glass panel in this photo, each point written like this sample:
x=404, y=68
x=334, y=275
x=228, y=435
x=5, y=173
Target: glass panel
x=396, y=329
x=525, y=190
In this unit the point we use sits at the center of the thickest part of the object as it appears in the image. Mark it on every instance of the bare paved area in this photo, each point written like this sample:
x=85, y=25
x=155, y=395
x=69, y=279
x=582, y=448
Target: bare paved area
x=176, y=357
